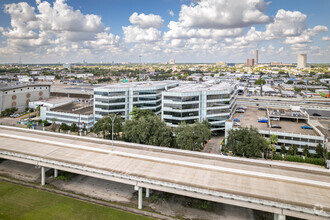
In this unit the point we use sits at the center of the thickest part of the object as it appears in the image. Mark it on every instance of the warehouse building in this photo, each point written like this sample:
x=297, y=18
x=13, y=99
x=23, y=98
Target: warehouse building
x=19, y=96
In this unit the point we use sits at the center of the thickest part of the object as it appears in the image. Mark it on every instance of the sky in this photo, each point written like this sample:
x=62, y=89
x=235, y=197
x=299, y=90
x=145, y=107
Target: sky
x=189, y=31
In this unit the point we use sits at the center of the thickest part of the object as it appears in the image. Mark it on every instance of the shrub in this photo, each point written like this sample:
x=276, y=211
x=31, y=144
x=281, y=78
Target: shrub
x=294, y=158
x=316, y=161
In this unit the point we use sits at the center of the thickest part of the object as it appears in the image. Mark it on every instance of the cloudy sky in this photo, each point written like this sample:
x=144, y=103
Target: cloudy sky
x=55, y=31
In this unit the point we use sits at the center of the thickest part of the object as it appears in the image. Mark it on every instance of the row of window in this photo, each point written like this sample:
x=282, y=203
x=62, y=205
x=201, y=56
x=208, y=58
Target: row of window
x=27, y=89
x=181, y=114
x=177, y=122
x=110, y=107
x=181, y=107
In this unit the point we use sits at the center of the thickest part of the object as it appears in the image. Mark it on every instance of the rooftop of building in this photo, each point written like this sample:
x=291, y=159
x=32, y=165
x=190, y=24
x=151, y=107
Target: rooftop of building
x=142, y=84
x=288, y=124
x=196, y=87
x=9, y=87
x=57, y=100
x=75, y=108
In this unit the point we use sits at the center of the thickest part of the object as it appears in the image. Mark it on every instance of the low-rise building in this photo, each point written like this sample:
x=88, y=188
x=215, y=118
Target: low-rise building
x=285, y=123
x=77, y=112
x=19, y=96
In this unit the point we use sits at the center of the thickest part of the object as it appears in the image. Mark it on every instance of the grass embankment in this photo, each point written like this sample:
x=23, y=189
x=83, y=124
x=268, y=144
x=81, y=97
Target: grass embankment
x=20, y=202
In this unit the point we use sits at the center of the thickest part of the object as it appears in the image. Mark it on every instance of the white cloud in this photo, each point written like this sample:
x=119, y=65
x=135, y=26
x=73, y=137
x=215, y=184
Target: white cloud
x=326, y=38
x=220, y=14
x=56, y=30
x=146, y=21
x=178, y=32
x=306, y=36
x=171, y=13
x=135, y=34
x=144, y=28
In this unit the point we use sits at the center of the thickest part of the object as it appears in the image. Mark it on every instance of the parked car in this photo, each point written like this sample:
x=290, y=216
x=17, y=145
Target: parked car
x=276, y=126
x=236, y=119
x=262, y=118
x=242, y=107
x=274, y=119
x=262, y=108
x=316, y=114
x=240, y=111
x=237, y=124
x=306, y=127
x=262, y=121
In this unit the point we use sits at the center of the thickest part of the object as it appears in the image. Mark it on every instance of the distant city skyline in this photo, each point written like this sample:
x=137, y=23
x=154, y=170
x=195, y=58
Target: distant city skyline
x=203, y=31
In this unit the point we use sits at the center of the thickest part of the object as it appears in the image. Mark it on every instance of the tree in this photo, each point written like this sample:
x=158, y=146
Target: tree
x=73, y=127
x=246, y=141
x=104, y=126
x=289, y=82
x=295, y=149
x=138, y=113
x=117, y=79
x=290, y=151
x=319, y=151
x=64, y=127
x=148, y=129
x=273, y=140
x=306, y=151
x=53, y=128
x=282, y=149
x=260, y=82
x=192, y=136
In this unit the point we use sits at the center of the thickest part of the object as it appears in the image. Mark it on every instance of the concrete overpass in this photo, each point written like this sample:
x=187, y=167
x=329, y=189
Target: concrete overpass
x=280, y=188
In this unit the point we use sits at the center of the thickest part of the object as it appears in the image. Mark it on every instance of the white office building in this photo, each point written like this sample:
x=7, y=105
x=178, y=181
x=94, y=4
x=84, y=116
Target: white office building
x=190, y=102
x=122, y=97
x=302, y=61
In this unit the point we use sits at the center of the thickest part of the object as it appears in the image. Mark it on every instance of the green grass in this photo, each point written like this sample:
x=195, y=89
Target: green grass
x=20, y=202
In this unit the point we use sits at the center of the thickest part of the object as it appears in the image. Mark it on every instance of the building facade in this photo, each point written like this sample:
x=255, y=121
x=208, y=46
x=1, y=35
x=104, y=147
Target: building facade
x=256, y=57
x=19, y=96
x=123, y=97
x=302, y=61
x=250, y=62
x=190, y=102
x=76, y=112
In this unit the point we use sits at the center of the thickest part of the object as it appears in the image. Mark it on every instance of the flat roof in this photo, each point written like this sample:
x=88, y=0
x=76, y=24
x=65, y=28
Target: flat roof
x=252, y=114
x=142, y=84
x=8, y=87
x=194, y=87
x=56, y=100
x=75, y=108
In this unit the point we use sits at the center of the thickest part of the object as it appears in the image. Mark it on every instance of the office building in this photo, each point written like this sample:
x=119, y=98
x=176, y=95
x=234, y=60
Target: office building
x=250, y=62
x=256, y=57
x=122, y=97
x=19, y=96
x=302, y=61
x=190, y=102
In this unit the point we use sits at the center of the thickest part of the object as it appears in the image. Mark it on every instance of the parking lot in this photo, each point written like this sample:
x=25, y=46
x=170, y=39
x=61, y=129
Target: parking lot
x=252, y=114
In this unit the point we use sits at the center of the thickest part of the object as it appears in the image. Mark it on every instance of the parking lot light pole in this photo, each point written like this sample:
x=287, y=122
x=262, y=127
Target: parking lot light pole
x=113, y=120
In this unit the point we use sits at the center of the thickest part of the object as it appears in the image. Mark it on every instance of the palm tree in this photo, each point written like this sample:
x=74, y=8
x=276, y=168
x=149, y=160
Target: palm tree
x=260, y=82
x=273, y=141
x=54, y=124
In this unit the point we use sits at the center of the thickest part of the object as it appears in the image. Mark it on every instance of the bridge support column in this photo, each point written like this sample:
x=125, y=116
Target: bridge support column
x=279, y=217
x=43, y=176
x=147, y=192
x=140, y=198
x=55, y=173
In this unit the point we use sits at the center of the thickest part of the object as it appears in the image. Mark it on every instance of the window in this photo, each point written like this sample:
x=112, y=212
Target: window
x=21, y=89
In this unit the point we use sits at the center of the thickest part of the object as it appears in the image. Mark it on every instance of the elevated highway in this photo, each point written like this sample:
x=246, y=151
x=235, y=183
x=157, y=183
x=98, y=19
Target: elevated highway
x=280, y=188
